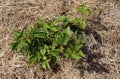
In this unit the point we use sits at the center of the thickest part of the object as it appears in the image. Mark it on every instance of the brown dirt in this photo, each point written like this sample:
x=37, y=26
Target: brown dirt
x=102, y=39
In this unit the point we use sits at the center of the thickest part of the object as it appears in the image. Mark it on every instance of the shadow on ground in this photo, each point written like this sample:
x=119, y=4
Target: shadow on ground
x=91, y=64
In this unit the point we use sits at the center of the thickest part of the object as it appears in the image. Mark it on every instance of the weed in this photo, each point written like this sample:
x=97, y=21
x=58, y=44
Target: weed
x=47, y=42
x=84, y=9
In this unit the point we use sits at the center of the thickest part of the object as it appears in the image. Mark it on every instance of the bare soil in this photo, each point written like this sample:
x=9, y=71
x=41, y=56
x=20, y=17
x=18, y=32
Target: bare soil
x=102, y=34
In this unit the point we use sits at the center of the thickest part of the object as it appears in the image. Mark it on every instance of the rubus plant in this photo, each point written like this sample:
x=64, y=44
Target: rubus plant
x=48, y=41
x=84, y=9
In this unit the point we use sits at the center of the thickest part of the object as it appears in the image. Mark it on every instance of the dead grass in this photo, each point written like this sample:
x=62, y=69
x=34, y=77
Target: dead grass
x=18, y=14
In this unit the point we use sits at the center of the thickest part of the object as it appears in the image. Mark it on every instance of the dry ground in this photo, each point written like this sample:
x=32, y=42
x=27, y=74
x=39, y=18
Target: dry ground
x=102, y=34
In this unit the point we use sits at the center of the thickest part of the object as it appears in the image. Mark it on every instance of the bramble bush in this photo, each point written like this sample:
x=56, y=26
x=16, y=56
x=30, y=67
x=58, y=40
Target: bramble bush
x=48, y=41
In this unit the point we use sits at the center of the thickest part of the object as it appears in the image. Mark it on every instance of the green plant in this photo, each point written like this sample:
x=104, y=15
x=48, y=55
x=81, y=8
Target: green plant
x=47, y=42
x=84, y=9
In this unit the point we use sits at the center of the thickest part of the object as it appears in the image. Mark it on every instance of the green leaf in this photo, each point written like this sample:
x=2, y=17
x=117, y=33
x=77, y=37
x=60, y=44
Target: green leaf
x=65, y=19
x=21, y=45
x=44, y=65
x=61, y=48
x=77, y=47
x=63, y=40
x=54, y=28
x=54, y=52
x=46, y=47
x=28, y=40
x=55, y=59
x=31, y=32
x=61, y=18
x=43, y=51
x=75, y=56
x=18, y=34
x=52, y=23
x=14, y=45
x=47, y=65
x=81, y=39
x=81, y=53
x=81, y=23
x=23, y=51
x=44, y=57
x=43, y=24
x=32, y=59
x=84, y=9
x=67, y=31
x=38, y=56
x=68, y=53
x=33, y=28
x=39, y=35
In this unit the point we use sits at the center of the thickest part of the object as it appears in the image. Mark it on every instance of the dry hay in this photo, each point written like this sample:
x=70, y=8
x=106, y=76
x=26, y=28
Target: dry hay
x=18, y=14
